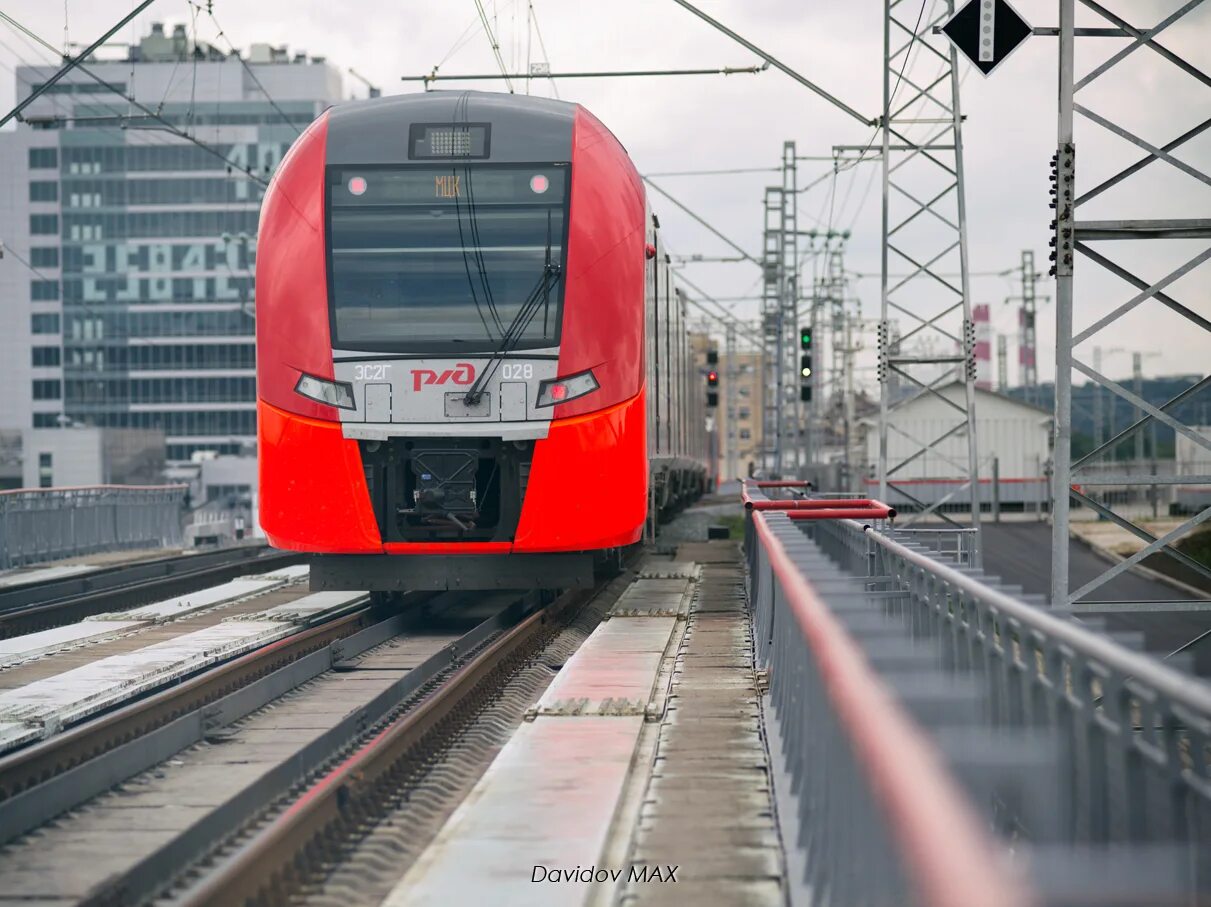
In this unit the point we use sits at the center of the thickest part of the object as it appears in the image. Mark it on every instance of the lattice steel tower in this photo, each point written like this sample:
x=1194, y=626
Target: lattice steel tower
x=925, y=241
x=773, y=334
x=1168, y=237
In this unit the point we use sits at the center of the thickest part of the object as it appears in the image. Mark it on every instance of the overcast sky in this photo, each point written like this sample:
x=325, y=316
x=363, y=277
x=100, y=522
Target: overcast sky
x=741, y=121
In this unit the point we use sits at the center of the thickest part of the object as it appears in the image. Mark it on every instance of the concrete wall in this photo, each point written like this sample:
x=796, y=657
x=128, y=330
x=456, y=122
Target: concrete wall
x=93, y=456
x=1193, y=459
x=77, y=457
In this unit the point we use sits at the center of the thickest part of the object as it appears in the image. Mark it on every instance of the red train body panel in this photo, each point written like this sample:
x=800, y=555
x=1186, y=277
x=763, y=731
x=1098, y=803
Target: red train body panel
x=459, y=341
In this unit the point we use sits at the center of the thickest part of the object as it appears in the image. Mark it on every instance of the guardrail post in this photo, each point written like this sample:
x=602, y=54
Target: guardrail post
x=996, y=489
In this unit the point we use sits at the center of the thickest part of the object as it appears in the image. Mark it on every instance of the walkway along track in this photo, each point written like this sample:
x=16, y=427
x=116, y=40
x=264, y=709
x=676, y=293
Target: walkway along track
x=302, y=842
x=29, y=607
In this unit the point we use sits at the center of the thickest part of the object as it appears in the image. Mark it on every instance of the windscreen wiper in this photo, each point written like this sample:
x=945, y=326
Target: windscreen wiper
x=517, y=328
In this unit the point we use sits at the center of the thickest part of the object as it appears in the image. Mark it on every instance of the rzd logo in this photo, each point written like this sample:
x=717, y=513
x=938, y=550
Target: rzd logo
x=462, y=373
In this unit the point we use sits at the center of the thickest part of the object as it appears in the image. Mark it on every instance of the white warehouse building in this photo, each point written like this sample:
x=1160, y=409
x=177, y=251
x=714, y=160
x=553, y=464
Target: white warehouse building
x=1014, y=442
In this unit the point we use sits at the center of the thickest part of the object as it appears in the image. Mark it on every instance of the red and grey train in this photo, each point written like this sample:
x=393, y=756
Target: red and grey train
x=473, y=367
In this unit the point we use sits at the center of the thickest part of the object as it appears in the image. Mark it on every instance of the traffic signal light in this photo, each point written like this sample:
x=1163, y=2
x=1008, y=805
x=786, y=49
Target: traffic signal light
x=712, y=357
x=805, y=365
x=712, y=382
x=712, y=378
x=712, y=399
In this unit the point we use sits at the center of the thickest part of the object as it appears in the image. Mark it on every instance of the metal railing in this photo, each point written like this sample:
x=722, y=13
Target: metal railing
x=47, y=524
x=1134, y=753
x=1092, y=761
x=878, y=817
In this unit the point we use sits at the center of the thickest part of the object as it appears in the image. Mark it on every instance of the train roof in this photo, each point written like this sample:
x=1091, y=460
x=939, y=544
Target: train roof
x=524, y=128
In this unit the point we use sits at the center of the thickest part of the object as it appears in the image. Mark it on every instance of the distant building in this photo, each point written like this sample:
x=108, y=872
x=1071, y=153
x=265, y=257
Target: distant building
x=1014, y=438
x=743, y=426
x=67, y=457
x=1192, y=460
x=737, y=429
x=134, y=306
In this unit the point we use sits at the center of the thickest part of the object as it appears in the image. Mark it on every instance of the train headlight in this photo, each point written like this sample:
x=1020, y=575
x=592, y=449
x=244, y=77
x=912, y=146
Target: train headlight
x=561, y=390
x=321, y=390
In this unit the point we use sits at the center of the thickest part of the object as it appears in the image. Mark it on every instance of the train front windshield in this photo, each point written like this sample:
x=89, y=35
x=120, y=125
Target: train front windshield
x=444, y=259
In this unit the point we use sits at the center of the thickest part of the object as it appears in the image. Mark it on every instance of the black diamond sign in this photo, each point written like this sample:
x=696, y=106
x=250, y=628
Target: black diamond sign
x=987, y=31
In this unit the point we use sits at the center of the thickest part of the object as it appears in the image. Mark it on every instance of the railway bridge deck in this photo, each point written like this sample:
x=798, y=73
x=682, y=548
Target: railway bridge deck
x=821, y=712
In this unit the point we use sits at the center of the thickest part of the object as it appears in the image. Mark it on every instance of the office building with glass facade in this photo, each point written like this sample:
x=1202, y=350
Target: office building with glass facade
x=126, y=289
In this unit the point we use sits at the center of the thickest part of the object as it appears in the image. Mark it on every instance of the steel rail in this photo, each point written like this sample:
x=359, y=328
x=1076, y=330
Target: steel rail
x=38, y=606
x=273, y=862
x=1181, y=688
x=156, y=871
x=28, y=768
x=950, y=859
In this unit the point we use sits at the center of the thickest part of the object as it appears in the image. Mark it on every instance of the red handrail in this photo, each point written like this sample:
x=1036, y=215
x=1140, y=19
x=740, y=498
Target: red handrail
x=811, y=503
x=875, y=511
x=948, y=854
x=825, y=508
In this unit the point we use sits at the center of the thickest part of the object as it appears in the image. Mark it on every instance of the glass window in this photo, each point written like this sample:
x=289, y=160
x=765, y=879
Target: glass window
x=43, y=224
x=46, y=420
x=44, y=323
x=45, y=355
x=90, y=225
x=81, y=87
x=48, y=389
x=43, y=192
x=44, y=257
x=44, y=290
x=41, y=158
x=446, y=259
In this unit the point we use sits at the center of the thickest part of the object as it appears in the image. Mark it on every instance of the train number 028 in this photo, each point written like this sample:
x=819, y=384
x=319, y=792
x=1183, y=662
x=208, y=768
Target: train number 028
x=524, y=371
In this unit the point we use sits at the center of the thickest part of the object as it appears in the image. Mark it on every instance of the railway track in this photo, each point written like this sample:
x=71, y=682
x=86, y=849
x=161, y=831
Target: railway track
x=29, y=607
x=34, y=781
x=404, y=778
x=391, y=684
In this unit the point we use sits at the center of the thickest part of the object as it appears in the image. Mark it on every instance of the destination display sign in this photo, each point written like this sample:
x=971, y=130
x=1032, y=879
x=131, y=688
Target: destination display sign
x=450, y=185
